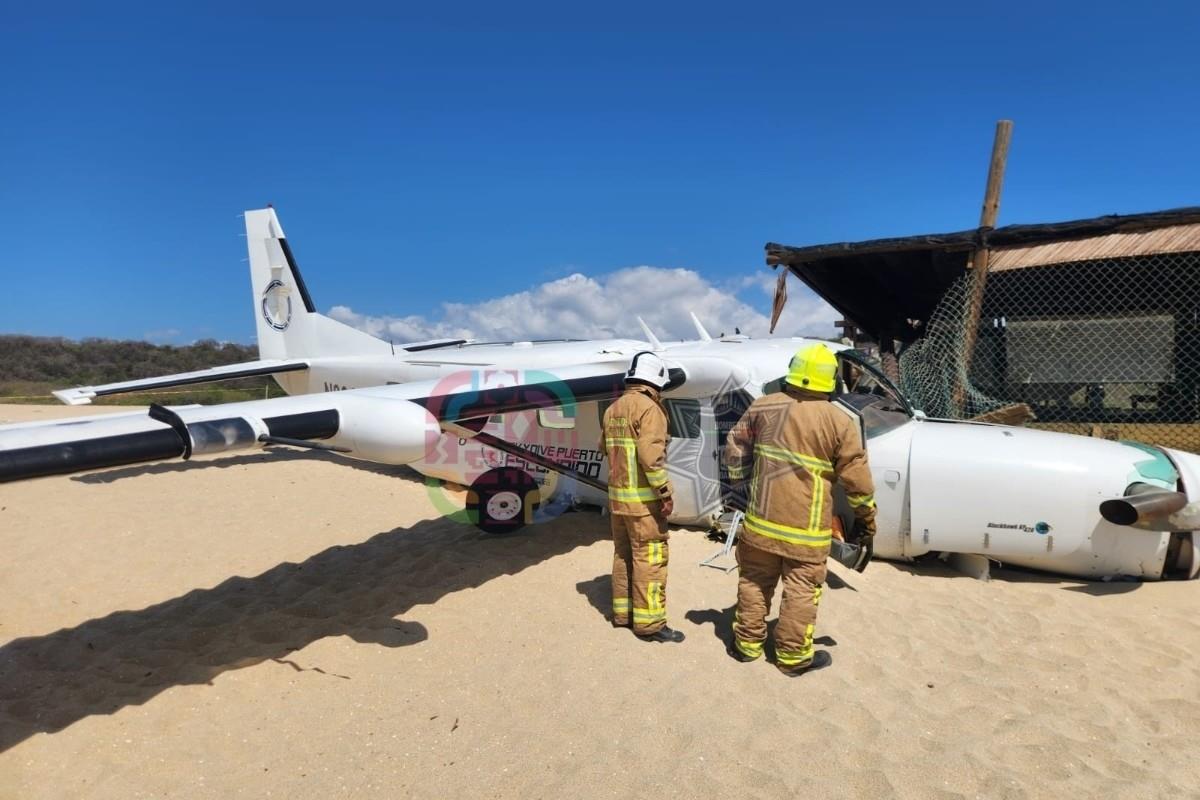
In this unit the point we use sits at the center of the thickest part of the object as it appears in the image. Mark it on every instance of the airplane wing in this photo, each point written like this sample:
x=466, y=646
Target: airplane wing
x=83, y=395
x=394, y=424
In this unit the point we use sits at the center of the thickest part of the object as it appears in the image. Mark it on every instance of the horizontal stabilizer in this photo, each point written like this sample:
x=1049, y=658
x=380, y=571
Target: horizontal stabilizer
x=82, y=395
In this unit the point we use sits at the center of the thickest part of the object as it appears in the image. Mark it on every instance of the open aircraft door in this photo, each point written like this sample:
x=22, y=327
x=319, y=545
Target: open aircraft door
x=887, y=422
x=692, y=459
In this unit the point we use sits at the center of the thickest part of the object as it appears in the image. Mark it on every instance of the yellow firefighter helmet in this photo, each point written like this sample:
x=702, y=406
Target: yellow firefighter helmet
x=813, y=368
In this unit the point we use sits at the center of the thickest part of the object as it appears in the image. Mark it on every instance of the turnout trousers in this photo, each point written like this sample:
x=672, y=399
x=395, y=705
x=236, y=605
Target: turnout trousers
x=639, y=574
x=758, y=573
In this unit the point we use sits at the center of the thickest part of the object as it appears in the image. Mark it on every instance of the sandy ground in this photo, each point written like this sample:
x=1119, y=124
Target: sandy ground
x=282, y=625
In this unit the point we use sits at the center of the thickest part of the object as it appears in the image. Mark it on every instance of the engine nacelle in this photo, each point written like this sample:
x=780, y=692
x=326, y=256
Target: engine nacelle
x=383, y=430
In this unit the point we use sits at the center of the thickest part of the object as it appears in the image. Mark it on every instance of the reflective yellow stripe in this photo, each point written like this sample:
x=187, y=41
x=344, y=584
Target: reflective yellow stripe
x=860, y=500
x=620, y=441
x=620, y=604
x=654, y=599
x=809, y=537
x=817, y=592
x=629, y=448
x=641, y=495
x=818, y=490
x=754, y=494
x=794, y=658
x=748, y=648
x=632, y=492
x=791, y=457
x=654, y=553
x=656, y=477
x=737, y=472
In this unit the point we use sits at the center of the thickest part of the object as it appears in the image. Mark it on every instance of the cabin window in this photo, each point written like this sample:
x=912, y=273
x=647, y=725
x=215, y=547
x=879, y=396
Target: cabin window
x=559, y=418
x=683, y=418
x=771, y=387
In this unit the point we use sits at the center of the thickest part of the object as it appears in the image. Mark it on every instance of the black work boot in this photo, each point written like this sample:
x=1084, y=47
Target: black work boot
x=820, y=660
x=663, y=634
x=738, y=655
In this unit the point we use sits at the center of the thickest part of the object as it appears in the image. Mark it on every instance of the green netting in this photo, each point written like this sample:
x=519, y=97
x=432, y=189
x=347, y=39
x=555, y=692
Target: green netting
x=1107, y=347
x=933, y=369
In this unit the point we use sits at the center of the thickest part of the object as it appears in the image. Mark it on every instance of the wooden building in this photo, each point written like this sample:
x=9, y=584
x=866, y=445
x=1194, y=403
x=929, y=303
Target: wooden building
x=1093, y=324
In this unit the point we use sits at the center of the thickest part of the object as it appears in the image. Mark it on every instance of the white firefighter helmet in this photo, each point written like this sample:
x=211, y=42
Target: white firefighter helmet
x=647, y=368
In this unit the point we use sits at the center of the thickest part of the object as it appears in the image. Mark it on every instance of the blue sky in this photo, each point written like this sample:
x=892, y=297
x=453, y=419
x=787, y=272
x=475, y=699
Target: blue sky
x=470, y=154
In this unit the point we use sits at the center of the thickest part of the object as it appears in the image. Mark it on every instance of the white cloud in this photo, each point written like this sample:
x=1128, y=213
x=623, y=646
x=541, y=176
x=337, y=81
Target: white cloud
x=761, y=280
x=163, y=336
x=583, y=307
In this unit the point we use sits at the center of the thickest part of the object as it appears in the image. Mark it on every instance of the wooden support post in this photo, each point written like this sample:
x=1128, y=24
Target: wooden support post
x=849, y=329
x=979, y=260
x=780, y=296
x=888, y=359
x=995, y=179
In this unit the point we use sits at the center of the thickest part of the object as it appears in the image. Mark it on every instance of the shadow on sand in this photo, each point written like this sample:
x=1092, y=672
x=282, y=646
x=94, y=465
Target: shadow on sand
x=933, y=568
x=128, y=657
x=722, y=622
x=598, y=592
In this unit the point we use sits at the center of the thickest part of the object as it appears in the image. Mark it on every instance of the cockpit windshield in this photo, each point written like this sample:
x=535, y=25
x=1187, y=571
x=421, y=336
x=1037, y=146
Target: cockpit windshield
x=869, y=393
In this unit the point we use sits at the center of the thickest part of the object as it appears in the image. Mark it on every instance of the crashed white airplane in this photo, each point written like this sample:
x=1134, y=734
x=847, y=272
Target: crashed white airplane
x=518, y=422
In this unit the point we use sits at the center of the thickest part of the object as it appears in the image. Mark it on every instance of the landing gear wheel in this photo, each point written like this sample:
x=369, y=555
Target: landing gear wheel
x=502, y=500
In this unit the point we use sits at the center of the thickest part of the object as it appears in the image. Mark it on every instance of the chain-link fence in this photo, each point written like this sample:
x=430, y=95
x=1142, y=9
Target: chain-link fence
x=1106, y=347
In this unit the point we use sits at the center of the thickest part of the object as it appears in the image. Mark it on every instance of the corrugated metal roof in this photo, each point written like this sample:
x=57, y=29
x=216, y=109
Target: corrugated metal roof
x=1174, y=239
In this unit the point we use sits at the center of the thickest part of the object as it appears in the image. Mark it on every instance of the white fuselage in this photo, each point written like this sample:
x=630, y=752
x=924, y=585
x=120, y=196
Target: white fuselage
x=1014, y=495
x=729, y=367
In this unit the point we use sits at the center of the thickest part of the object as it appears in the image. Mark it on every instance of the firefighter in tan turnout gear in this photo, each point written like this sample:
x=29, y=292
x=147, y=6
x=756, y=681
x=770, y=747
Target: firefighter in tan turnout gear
x=639, y=500
x=791, y=445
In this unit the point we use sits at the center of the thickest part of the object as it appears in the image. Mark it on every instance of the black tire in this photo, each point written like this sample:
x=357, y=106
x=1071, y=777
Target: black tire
x=502, y=500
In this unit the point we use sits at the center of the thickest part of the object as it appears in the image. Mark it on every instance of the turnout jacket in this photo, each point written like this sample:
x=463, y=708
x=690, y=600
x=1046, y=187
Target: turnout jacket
x=635, y=441
x=792, y=445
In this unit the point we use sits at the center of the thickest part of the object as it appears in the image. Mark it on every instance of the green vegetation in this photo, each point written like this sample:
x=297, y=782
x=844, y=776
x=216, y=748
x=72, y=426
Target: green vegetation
x=32, y=366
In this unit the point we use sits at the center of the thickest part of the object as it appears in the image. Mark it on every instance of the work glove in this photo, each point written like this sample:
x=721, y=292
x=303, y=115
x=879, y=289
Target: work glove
x=864, y=537
x=863, y=531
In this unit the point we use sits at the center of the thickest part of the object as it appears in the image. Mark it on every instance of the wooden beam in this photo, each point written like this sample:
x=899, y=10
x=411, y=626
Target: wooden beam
x=995, y=179
x=979, y=261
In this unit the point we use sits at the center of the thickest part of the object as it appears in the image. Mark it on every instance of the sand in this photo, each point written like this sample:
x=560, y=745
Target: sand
x=286, y=625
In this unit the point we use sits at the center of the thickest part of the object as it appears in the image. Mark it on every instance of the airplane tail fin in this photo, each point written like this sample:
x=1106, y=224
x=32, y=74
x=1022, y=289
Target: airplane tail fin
x=287, y=320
